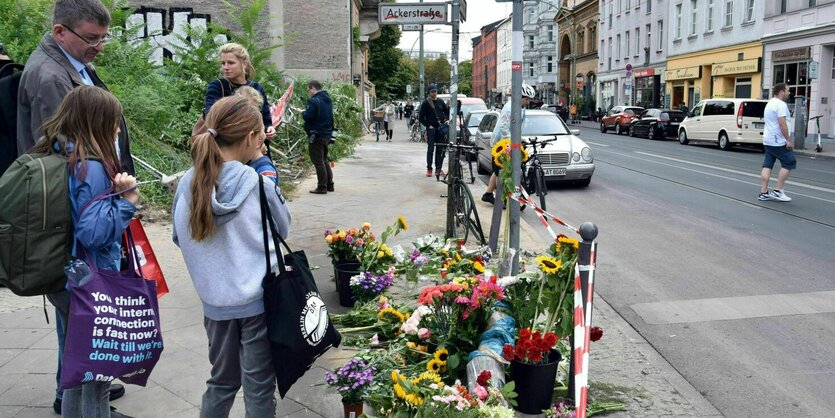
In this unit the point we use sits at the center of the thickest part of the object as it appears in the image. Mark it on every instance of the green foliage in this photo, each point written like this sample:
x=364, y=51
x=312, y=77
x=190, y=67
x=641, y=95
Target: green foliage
x=22, y=25
x=465, y=78
x=438, y=72
x=384, y=63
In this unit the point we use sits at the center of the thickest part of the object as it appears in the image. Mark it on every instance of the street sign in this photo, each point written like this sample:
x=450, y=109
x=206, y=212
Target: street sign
x=413, y=13
x=814, y=68
x=462, y=4
x=516, y=67
x=408, y=89
x=411, y=28
x=628, y=73
x=628, y=67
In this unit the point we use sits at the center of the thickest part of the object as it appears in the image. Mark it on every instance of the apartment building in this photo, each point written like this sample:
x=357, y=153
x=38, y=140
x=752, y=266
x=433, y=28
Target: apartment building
x=484, y=62
x=799, y=44
x=546, y=50
x=504, y=57
x=633, y=53
x=578, y=55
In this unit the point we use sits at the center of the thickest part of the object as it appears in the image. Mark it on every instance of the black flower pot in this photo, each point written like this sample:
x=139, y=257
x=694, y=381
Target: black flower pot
x=337, y=263
x=534, y=383
x=344, y=272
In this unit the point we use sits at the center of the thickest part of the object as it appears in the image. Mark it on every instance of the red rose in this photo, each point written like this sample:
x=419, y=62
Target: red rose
x=551, y=339
x=596, y=333
x=508, y=352
x=484, y=378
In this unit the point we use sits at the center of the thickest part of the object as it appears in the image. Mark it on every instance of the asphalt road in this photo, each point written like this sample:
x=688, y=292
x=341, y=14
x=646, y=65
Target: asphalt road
x=737, y=294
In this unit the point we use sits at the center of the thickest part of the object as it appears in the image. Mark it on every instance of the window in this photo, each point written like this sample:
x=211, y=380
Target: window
x=610, y=14
x=678, y=22
x=530, y=41
x=550, y=64
x=530, y=69
x=637, y=41
x=749, y=10
x=627, y=45
x=783, y=6
x=550, y=33
x=649, y=6
x=617, y=57
x=581, y=43
x=729, y=13
x=660, y=36
x=742, y=88
x=610, y=53
x=592, y=36
x=694, y=18
x=709, y=17
x=813, y=3
x=833, y=67
x=628, y=4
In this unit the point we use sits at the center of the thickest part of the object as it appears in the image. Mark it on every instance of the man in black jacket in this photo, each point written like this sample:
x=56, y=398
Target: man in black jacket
x=434, y=115
x=318, y=123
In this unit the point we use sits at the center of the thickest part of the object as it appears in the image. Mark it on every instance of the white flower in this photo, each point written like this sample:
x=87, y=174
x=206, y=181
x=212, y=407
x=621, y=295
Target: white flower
x=399, y=253
x=355, y=280
x=508, y=281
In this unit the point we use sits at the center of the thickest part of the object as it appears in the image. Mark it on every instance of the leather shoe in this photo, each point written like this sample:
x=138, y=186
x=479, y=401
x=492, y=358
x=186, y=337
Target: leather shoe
x=116, y=391
x=319, y=190
x=330, y=187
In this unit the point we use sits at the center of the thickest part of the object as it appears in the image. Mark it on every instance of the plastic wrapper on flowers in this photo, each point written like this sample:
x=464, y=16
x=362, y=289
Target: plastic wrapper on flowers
x=501, y=329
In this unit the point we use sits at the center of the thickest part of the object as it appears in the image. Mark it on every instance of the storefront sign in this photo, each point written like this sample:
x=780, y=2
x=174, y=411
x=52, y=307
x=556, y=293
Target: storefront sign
x=793, y=54
x=413, y=13
x=645, y=73
x=736, y=67
x=683, y=73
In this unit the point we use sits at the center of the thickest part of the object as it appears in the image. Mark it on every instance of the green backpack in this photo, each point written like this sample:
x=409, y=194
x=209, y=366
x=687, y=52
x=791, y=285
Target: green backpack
x=35, y=224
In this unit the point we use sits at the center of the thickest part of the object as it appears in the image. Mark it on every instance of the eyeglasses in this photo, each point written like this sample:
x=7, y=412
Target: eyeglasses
x=91, y=44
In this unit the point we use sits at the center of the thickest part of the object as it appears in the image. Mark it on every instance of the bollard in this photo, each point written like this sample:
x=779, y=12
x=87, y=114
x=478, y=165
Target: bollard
x=586, y=262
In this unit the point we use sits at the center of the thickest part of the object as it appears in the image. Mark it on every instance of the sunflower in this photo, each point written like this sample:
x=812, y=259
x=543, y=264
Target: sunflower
x=442, y=355
x=434, y=365
x=498, y=162
x=401, y=221
x=394, y=376
x=478, y=267
x=500, y=148
x=567, y=241
x=430, y=376
x=399, y=391
x=413, y=399
x=392, y=315
x=549, y=265
x=524, y=155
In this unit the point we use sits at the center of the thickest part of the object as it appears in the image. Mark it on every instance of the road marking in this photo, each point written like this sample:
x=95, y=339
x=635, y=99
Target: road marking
x=728, y=170
x=735, y=308
x=597, y=144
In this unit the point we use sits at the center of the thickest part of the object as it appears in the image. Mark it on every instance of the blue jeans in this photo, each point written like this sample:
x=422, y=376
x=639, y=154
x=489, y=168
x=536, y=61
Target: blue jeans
x=90, y=400
x=432, y=149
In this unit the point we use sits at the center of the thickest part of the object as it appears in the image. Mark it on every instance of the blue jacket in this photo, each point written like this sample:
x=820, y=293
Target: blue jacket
x=216, y=91
x=98, y=230
x=318, y=117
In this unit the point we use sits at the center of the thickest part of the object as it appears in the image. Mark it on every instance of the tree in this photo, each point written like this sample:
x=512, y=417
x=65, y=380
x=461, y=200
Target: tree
x=438, y=72
x=384, y=63
x=465, y=78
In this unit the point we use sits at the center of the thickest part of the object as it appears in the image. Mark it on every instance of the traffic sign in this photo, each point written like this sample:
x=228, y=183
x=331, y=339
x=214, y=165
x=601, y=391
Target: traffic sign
x=413, y=13
x=462, y=8
x=411, y=28
x=629, y=67
x=408, y=89
x=628, y=73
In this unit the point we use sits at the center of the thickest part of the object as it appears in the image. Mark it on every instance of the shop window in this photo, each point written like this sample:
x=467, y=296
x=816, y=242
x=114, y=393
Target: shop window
x=742, y=88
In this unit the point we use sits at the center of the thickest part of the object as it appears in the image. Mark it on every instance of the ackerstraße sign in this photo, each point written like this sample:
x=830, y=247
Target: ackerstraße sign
x=413, y=13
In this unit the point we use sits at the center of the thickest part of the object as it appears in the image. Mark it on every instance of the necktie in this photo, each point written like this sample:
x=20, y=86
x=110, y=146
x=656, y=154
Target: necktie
x=86, y=79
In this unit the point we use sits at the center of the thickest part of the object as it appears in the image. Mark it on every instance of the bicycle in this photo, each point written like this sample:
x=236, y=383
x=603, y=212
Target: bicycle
x=533, y=175
x=374, y=126
x=465, y=215
x=817, y=119
x=416, y=132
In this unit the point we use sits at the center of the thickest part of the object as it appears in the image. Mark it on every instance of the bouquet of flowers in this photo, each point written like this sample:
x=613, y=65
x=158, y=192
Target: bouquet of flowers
x=348, y=244
x=501, y=156
x=352, y=380
x=426, y=395
x=379, y=317
x=376, y=257
x=531, y=347
x=367, y=286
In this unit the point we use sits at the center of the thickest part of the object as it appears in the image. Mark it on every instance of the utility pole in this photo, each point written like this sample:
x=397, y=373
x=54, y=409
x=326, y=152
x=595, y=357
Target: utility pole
x=452, y=166
x=515, y=129
x=421, y=67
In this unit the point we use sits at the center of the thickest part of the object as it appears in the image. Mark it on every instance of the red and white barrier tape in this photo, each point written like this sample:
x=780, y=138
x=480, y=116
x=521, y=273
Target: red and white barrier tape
x=525, y=199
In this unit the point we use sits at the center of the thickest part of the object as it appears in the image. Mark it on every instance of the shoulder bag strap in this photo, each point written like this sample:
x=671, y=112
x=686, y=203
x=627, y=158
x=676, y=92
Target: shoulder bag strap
x=267, y=221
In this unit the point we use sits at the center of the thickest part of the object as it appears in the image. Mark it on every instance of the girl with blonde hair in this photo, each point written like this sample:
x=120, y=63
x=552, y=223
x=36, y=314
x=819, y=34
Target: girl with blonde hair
x=218, y=227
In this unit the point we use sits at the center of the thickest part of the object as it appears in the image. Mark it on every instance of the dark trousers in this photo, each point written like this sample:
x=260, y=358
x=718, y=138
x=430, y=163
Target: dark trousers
x=432, y=149
x=319, y=156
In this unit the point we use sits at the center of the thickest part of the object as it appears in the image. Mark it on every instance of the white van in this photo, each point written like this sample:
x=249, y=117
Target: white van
x=724, y=121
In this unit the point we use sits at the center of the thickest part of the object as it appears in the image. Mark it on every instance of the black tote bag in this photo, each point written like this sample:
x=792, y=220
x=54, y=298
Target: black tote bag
x=298, y=324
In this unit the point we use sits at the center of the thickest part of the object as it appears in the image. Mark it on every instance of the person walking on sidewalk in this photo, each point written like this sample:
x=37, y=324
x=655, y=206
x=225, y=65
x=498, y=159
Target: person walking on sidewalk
x=434, y=115
x=318, y=123
x=777, y=144
x=219, y=229
x=60, y=63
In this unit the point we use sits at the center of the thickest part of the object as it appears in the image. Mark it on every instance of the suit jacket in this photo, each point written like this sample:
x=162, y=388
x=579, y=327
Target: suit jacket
x=47, y=78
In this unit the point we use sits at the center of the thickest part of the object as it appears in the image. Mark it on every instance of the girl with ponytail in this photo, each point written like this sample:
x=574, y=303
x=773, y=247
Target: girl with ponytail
x=217, y=225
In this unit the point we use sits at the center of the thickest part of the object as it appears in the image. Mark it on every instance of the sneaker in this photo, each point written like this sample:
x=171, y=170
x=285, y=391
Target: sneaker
x=489, y=198
x=764, y=197
x=429, y=173
x=440, y=173
x=779, y=195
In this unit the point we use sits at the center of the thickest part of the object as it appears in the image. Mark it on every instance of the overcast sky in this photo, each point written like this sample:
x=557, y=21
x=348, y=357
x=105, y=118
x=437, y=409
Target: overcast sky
x=479, y=13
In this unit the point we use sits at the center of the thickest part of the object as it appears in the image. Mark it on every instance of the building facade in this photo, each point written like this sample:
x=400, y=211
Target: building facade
x=796, y=36
x=578, y=55
x=714, y=49
x=530, y=55
x=504, y=56
x=484, y=62
x=632, y=53
x=546, y=50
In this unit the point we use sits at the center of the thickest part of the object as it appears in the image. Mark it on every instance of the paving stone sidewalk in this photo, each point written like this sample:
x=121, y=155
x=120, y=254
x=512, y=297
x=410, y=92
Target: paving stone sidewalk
x=381, y=181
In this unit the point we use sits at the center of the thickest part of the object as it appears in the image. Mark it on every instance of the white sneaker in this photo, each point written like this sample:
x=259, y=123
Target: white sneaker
x=779, y=195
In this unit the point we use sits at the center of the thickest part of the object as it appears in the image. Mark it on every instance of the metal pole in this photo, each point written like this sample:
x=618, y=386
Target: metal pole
x=452, y=166
x=420, y=65
x=516, y=128
x=588, y=232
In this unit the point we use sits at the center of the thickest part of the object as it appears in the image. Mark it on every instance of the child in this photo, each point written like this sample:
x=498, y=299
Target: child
x=260, y=159
x=218, y=227
x=83, y=128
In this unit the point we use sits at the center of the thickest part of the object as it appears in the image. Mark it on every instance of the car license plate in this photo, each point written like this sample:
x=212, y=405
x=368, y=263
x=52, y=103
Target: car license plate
x=549, y=172
x=759, y=125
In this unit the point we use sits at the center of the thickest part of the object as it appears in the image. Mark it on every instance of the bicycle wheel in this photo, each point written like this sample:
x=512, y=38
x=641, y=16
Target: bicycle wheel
x=466, y=215
x=541, y=188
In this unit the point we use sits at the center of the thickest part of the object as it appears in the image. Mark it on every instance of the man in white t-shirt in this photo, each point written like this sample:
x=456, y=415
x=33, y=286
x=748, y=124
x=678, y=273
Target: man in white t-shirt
x=777, y=144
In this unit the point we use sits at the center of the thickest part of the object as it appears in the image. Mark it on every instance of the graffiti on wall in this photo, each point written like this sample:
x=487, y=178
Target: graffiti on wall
x=166, y=29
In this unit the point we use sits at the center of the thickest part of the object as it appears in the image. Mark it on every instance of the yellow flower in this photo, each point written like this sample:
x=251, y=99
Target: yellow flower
x=567, y=241
x=398, y=390
x=478, y=267
x=457, y=257
x=442, y=355
x=421, y=348
x=342, y=235
x=380, y=254
x=393, y=315
x=414, y=399
x=394, y=376
x=501, y=147
x=549, y=265
x=389, y=252
x=329, y=239
x=434, y=365
x=430, y=376
x=366, y=226
x=524, y=155
x=402, y=222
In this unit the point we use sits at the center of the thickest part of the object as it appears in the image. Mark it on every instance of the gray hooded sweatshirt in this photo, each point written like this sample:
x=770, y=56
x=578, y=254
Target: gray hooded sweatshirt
x=228, y=267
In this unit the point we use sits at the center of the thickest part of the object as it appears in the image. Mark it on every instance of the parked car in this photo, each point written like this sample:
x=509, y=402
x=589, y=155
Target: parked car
x=569, y=159
x=469, y=104
x=558, y=110
x=619, y=118
x=656, y=123
x=724, y=121
x=471, y=121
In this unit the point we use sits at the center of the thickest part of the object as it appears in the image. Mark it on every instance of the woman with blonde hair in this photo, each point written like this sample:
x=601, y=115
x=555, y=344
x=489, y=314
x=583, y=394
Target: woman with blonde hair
x=84, y=128
x=237, y=69
x=218, y=226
